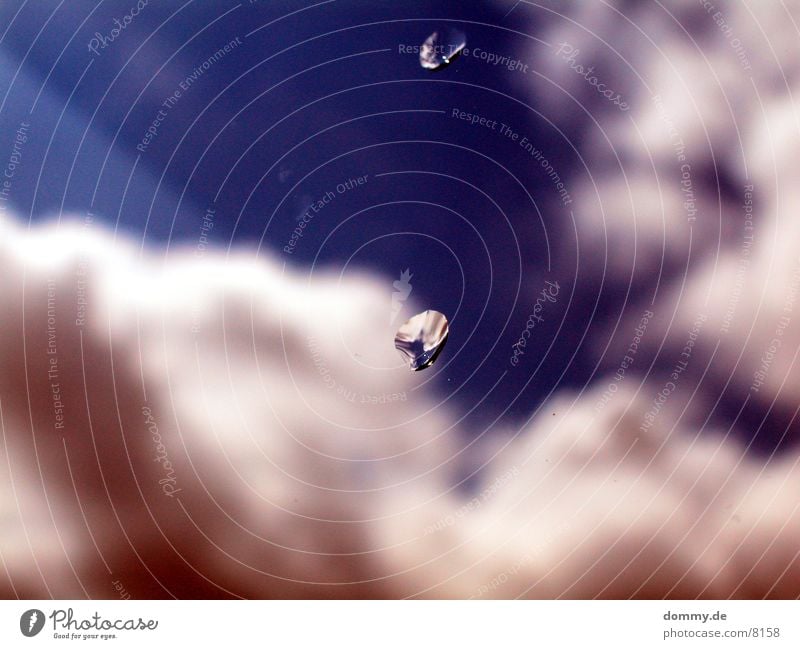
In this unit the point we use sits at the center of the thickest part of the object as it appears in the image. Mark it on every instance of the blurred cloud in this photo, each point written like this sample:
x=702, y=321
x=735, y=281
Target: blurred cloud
x=201, y=440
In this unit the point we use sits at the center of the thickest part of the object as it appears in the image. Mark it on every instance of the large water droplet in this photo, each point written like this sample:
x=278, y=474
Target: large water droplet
x=441, y=48
x=422, y=338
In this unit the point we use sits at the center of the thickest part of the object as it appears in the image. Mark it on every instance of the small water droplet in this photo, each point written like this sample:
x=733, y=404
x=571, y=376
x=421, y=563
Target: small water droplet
x=302, y=204
x=422, y=338
x=441, y=48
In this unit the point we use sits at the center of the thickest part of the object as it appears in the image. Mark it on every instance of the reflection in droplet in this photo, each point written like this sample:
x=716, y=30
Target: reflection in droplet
x=422, y=338
x=441, y=48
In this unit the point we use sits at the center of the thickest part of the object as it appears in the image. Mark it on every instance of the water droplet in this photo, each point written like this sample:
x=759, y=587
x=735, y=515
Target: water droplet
x=441, y=48
x=422, y=338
